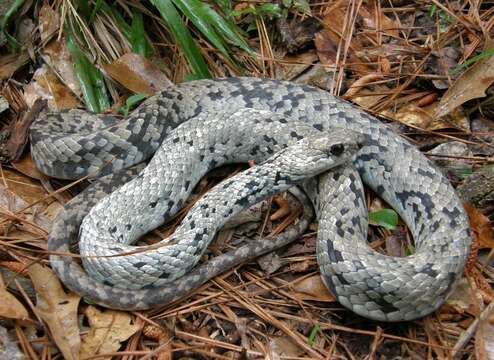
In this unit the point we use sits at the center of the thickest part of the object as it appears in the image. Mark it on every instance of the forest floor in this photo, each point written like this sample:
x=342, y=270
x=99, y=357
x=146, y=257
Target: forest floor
x=426, y=68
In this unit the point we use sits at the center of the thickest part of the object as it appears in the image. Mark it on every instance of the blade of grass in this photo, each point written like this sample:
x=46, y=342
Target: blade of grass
x=125, y=28
x=484, y=54
x=130, y=103
x=196, y=11
x=128, y=31
x=228, y=30
x=5, y=20
x=137, y=34
x=93, y=87
x=83, y=8
x=182, y=37
x=97, y=7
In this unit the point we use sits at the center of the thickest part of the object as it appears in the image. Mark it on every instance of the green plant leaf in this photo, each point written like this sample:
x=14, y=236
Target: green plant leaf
x=387, y=218
x=97, y=7
x=196, y=12
x=130, y=103
x=432, y=10
x=137, y=34
x=122, y=24
x=267, y=9
x=312, y=335
x=5, y=20
x=484, y=54
x=229, y=31
x=225, y=5
x=91, y=80
x=182, y=37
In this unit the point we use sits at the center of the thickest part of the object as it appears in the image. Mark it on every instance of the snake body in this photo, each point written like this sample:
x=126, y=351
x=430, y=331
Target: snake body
x=75, y=144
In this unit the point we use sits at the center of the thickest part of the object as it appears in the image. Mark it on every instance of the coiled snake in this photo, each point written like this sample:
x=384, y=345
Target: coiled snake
x=204, y=124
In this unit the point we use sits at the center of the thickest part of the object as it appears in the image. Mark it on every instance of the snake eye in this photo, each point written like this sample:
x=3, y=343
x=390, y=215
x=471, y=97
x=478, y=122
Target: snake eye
x=337, y=149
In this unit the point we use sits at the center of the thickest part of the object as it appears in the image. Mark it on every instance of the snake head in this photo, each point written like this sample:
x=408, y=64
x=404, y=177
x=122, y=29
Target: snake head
x=316, y=154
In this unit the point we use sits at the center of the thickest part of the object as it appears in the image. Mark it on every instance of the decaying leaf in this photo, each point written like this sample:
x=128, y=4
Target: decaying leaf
x=463, y=297
x=49, y=22
x=470, y=85
x=295, y=65
x=108, y=330
x=19, y=131
x=57, y=309
x=484, y=339
x=46, y=85
x=425, y=118
x=26, y=192
x=312, y=288
x=10, y=307
x=284, y=346
x=10, y=63
x=58, y=58
x=481, y=227
x=138, y=74
x=378, y=20
x=26, y=166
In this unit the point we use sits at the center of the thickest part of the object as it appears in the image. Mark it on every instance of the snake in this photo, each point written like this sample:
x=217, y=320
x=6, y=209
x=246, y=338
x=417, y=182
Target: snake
x=199, y=125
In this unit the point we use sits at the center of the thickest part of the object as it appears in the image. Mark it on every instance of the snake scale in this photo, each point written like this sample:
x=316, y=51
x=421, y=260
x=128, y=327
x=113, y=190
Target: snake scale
x=207, y=123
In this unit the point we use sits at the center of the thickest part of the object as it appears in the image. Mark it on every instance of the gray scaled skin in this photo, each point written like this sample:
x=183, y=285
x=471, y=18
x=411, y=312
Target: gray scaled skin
x=74, y=144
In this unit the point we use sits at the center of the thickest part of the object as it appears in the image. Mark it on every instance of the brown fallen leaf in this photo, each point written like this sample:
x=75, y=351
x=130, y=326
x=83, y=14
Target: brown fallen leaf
x=32, y=219
x=26, y=166
x=16, y=267
x=334, y=35
x=163, y=337
x=25, y=188
x=382, y=23
x=46, y=85
x=424, y=118
x=137, y=74
x=108, y=329
x=463, y=298
x=357, y=85
x=367, y=98
x=49, y=22
x=57, y=309
x=58, y=58
x=470, y=85
x=480, y=226
x=312, y=288
x=19, y=130
x=10, y=307
x=10, y=63
x=484, y=338
x=284, y=208
x=293, y=66
x=284, y=346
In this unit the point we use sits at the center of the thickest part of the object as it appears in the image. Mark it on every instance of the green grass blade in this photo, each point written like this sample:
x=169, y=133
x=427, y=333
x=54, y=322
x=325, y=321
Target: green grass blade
x=137, y=34
x=93, y=87
x=125, y=28
x=83, y=9
x=97, y=7
x=484, y=54
x=183, y=37
x=228, y=30
x=130, y=103
x=196, y=12
x=5, y=20
x=312, y=334
x=9, y=13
